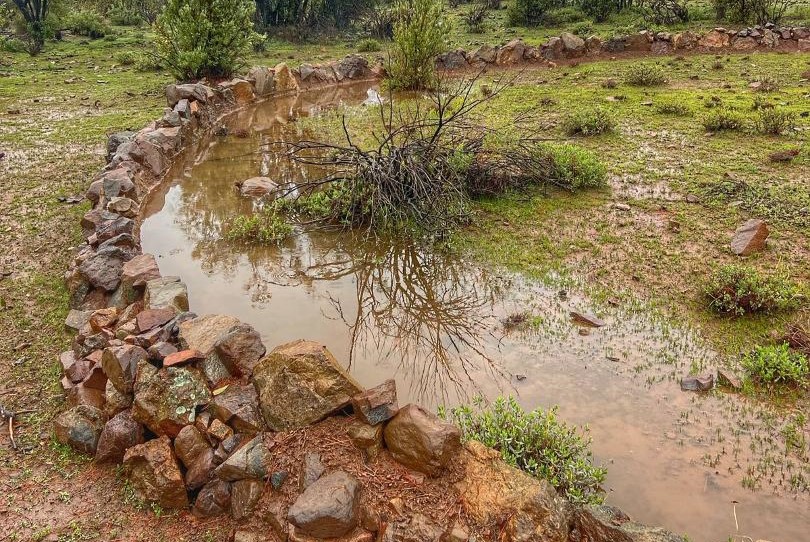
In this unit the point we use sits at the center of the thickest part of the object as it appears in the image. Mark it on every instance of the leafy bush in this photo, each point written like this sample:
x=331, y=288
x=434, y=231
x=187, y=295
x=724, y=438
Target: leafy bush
x=148, y=63
x=264, y=227
x=734, y=289
x=563, y=15
x=537, y=442
x=572, y=166
x=88, y=23
x=475, y=17
x=588, y=122
x=368, y=45
x=600, y=10
x=672, y=107
x=12, y=45
x=584, y=29
x=645, y=74
x=419, y=35
x=777, y=365
x=666, y=12
x=126, y=58
x=205, y=38
x=753, y=11
x=124, y=13
x=722, y=119
x=773, y=121
x=530, y=12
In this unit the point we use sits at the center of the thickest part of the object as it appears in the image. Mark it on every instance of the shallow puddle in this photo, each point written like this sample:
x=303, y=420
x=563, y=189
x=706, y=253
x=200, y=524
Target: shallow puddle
x=435, y=322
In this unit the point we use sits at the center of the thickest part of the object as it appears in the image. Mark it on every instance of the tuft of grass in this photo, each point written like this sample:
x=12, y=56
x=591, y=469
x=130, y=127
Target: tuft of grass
x=265, y=227
x=126, y=58
x=723, y=119
x=738, y=290
x=368, y=45
x=774, y=121
x=777, y=364
x=572, y=166
x=537, y=442
x=589, y=122
x=675, y=108
x=645, y=74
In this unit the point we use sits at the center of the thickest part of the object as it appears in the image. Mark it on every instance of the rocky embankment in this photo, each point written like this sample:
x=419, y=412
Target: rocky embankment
x=202, y=417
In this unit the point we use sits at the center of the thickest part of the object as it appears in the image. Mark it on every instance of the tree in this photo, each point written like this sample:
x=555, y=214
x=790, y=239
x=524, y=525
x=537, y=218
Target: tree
x=34, y=13
x=205, y=38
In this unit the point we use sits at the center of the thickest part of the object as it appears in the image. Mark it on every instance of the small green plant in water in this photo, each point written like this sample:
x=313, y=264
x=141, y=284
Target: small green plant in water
x=537, y=442
x=265, y=227
x=777, y=364
x=588, y=122
x=736, y=289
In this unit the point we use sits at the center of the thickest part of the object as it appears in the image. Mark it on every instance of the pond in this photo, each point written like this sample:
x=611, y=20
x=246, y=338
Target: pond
x=439, y=324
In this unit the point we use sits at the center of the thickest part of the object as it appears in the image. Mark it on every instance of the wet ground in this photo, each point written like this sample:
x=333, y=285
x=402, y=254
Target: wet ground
x=435, y=322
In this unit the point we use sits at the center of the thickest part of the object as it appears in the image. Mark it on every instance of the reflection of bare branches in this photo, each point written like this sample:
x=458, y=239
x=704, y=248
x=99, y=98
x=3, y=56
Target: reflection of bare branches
x=427, y=312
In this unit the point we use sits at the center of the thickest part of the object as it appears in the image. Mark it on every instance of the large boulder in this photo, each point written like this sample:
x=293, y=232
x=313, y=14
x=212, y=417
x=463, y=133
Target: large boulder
x=80, y=428
x=238, y=406
x=574, y=45
x=103, y=269
x=166, y=400
x=606, y=523
x=495, y=493
x=352, y=67
x=420, y=440
x=750, y=237
x=511, y=53
x=300, y=383
x=240, y=349
x=329, y=508
x=284, y=78
x=485, y=54
x=715, y=39
x=196, y=454
x=251, y=461
x=120, y=434
x=166, y=292
x=155, y=476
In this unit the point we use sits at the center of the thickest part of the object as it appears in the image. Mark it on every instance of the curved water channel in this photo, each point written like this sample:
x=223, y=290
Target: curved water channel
x=435, y=323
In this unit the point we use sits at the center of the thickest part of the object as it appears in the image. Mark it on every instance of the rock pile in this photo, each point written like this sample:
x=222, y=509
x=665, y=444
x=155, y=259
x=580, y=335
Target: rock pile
x=196, y=409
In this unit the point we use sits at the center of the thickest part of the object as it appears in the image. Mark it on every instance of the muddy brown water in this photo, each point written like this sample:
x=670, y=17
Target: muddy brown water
x=434, y=322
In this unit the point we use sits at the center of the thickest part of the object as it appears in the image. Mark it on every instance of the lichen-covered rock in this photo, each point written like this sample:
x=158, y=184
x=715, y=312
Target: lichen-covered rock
x=80, y=428
x=493, y=491
x=420, y=440
x=329, y=508
x=120, y=434
x=166, y=400
x=153, y=471
x=511, y=53
x=301, y=383
x=250, y=461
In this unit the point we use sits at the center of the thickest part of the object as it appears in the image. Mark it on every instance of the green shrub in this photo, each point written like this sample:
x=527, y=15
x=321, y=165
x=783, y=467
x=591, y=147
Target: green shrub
x=205, y=38
x=600, y=10
x=738, y=290
x=419, y=35
x=773, y=121
x=368, y=45
x=88, y=23
x=572, y=167
x=12, y=45
x=530, y=12
x=588, y=122
x=584, y=29
x=475, y=17
x=124, y=13
x=148, y=63
x=264, y=227
x=563, y=15
x=537, y=442
x=777, y=365
x=722, y=119
x=126, y=58
x=645, y=74
x=672, y=107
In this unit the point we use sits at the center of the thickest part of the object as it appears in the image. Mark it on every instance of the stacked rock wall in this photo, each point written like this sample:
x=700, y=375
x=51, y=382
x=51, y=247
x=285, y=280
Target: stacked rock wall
x=196, y=409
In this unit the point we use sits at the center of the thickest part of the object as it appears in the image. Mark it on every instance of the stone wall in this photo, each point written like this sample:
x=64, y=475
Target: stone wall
x=197, y=410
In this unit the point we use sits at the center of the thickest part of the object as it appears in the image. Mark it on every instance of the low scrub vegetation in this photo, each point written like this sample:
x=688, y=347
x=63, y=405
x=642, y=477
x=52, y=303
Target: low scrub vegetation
x=572, y=167
x=537, y=442
x=589, y=122
x=645, y=74
x=87, y=23
x=420, y=34
x=264, y=227
x=368, y=45
x=777, y=364
x=675, y=108
x=774, y=121
x=738, y=290
x=723, y=119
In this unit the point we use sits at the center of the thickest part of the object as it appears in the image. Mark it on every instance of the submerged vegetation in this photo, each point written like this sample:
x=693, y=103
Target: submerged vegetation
x=777, y=364
x=537, y=442
x=265, y=227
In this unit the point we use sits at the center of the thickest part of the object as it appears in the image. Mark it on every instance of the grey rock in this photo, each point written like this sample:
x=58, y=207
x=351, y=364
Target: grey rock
x=80, y=428
x=249, y=461
x=329, y=508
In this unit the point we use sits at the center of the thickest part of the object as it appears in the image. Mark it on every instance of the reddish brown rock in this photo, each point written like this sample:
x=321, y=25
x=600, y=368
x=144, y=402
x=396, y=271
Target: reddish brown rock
x=155, y=475
x=715, y=40
x=120, y=434
x=120, y=364
x=329, y=508
x=378, y=404
x=213, y=500
x=257, y=187
x=750, y=237
x=182, y=357
x=238, y=406
x=245, y=495
x=420, y=440
x=80, y=394
x=196, y=453
x=103, y=318
x=152, y=318
x=240, y=349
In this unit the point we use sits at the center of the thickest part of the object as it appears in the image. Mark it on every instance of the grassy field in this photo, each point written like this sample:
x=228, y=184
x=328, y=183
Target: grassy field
x=56, y=109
